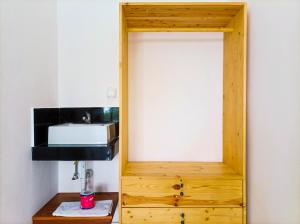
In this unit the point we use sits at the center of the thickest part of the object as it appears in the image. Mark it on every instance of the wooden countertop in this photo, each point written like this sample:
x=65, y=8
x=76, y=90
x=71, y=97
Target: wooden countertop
x=44, y=215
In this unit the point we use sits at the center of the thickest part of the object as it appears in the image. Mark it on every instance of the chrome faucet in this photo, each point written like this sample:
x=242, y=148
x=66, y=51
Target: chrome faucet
x=87, y=118
x=76, y=173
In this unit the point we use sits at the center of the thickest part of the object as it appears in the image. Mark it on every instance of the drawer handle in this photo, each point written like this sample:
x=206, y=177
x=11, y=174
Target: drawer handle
x=182, y=218
x=181, y=194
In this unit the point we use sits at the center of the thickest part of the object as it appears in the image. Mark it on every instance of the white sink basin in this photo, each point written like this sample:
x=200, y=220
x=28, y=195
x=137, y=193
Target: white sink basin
x=81, y=133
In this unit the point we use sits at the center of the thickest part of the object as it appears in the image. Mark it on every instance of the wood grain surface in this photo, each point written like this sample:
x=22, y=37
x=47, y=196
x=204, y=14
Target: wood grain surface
x=44, y=215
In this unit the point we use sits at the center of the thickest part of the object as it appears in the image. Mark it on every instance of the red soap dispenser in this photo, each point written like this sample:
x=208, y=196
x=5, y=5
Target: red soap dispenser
x=87, y=200
x=87, y=194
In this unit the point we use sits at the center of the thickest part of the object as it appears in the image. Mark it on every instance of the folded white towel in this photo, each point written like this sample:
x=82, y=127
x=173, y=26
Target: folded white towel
x=72, y=209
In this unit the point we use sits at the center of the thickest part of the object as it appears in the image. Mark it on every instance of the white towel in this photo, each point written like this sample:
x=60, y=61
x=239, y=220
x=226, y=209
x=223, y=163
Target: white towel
x=72, y=209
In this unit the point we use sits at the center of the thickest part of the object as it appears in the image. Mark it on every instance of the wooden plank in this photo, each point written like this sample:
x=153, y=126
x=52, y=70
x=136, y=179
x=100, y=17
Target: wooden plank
x=123, y=80
x=161, y=22
x=245, y=21
x=201, y=29
x=179, y=15
x=214, y=216
x=180, y=18
x=180, y=192
x=213, y=170
x=44, y=215
x=212, y=192
x=244, y=215
x=143, y=10
x=177, y=215
x=123, y=98
x=149, y=192
x=234, y=102
x=174, y=4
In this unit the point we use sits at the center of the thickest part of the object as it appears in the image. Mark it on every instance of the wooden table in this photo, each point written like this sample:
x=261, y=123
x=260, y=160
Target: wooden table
x=44, y=215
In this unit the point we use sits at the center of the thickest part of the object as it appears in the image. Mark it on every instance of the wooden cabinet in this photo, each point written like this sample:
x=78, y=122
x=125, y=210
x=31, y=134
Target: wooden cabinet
x=182, y=215
x=183, y=192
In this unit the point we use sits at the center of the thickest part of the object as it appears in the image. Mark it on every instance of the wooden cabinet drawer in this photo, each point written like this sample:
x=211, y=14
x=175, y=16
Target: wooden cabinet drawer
x=179, y=192
x=182, y=215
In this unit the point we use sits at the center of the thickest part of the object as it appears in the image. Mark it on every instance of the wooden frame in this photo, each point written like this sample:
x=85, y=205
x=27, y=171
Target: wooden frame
x=230, y=18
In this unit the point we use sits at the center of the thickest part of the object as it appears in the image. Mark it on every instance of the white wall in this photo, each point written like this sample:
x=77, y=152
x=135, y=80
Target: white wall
x=274, y=112
x=87, y=52
x=175, y=96
x=28, y=68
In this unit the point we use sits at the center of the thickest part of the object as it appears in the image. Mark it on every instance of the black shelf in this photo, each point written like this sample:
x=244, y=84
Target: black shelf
x=47, y=152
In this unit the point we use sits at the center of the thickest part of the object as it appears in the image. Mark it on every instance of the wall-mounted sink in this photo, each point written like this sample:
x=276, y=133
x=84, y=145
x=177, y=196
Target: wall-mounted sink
x=85, y=134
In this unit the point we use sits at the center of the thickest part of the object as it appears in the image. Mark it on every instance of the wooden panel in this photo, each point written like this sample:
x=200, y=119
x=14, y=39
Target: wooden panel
x=150, y=192
x=180, y=22
x=244, y=214
x=178, y=215
x=44, y=215
x=123, y=97
x=178, y=29
x=123, y=80
x=213, y=170
x=196, y=9
x=180, y=192
x=179, y=15
x=212, y=192
x=234, y=103
x=199, y=17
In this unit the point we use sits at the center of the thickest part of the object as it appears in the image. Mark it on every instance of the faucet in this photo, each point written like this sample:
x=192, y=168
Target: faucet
x=87, y=118
x=85, y=176
x=76, y=173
